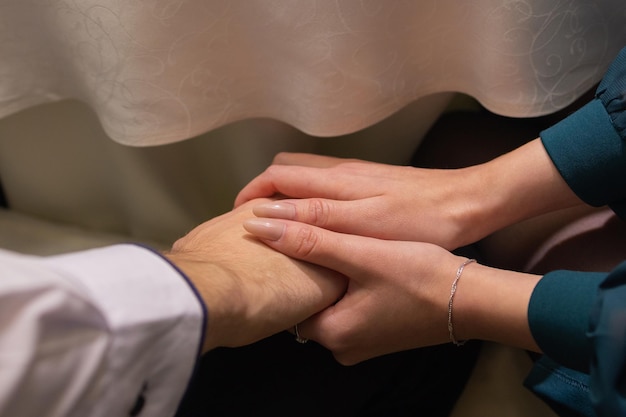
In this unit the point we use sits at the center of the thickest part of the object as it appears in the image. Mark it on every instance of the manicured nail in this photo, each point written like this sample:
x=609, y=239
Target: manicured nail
x=277, y=209
x=265, y=228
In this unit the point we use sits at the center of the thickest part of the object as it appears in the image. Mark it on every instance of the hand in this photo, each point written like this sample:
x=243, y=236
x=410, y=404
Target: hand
x=448, y=207
x=398, y=293
x=365, y=198
x=250, y=290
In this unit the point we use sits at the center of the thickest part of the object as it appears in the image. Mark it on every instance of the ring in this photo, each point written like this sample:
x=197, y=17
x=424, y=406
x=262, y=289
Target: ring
x=298, y=338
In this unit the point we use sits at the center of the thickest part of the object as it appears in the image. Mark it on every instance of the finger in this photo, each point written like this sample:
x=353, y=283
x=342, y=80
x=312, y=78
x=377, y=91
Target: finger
x=349, y=255
x=307, y=159
x=297, y=182
x=332, y=328
x=320, y=325
x=315, y=327
x=352, y=217
x=307, y=328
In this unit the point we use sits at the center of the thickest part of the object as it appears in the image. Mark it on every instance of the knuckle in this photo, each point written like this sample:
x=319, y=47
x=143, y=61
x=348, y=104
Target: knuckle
x=345, y=358
x=345, y=352
x=340, y=343
x=279, y=157
x=177, y=245
x=318, y=212
x=182, y=243
x=307, y=242
x=271, y=170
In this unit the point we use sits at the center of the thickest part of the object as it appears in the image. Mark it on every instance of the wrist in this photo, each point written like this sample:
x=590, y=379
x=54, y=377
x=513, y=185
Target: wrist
x=492, y=304
x=455, y=283
x=524, y=183
x=217, y=290
x=473, y=204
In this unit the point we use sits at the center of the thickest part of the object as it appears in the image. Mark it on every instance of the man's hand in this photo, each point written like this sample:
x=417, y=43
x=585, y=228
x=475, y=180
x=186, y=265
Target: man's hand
x=250, y=290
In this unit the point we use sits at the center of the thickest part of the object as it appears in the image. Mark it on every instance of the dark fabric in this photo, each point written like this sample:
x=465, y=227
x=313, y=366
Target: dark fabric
x=279, y=377
x=607, y=333
x=3, y=200
x=589, y=147
x=566, y=391
x=589, y=150
x=602, y=391
x=558, y=314
x=591, y=160
x=612, y=93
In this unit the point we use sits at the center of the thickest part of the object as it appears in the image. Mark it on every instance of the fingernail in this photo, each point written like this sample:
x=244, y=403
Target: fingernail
x=265, y=228
x=280, y=210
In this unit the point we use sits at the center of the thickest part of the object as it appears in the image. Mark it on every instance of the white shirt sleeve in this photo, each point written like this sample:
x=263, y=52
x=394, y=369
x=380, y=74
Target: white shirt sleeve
x=96, y=334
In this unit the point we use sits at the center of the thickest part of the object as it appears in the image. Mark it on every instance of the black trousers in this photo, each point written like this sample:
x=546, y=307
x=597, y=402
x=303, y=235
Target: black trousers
x=279, y=377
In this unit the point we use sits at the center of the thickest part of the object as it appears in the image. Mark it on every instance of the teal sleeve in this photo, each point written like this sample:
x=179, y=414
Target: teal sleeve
x=589, y=147
x=578, y=319
x=607, y=335
x=558, y=316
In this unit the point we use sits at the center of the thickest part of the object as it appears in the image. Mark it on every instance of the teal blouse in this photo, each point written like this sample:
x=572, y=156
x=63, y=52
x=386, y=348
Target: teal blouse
x=577, y=318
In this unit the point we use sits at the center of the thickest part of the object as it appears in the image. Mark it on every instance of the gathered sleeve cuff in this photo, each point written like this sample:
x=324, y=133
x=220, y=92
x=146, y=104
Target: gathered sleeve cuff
x=607, y=334
x=579, y=321
x=558, y=316
x=589, y=147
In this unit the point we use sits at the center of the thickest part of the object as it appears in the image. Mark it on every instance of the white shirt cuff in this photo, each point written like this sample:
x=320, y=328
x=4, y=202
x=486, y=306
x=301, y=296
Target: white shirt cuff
x=95, y=331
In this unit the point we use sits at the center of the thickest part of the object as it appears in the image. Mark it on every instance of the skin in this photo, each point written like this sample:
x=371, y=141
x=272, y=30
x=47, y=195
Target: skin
x=369, y=221
x=398, y=291
x=250, y=291
x=447, y=207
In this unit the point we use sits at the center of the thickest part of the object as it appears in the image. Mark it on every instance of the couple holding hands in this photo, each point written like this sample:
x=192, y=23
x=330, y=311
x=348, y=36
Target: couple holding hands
x=382, y=241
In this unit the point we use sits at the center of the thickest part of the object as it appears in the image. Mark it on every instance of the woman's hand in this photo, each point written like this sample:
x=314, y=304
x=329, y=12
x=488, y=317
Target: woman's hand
x=447, y=207
x=398, y=293
x=396, y=297
x=369, y=199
